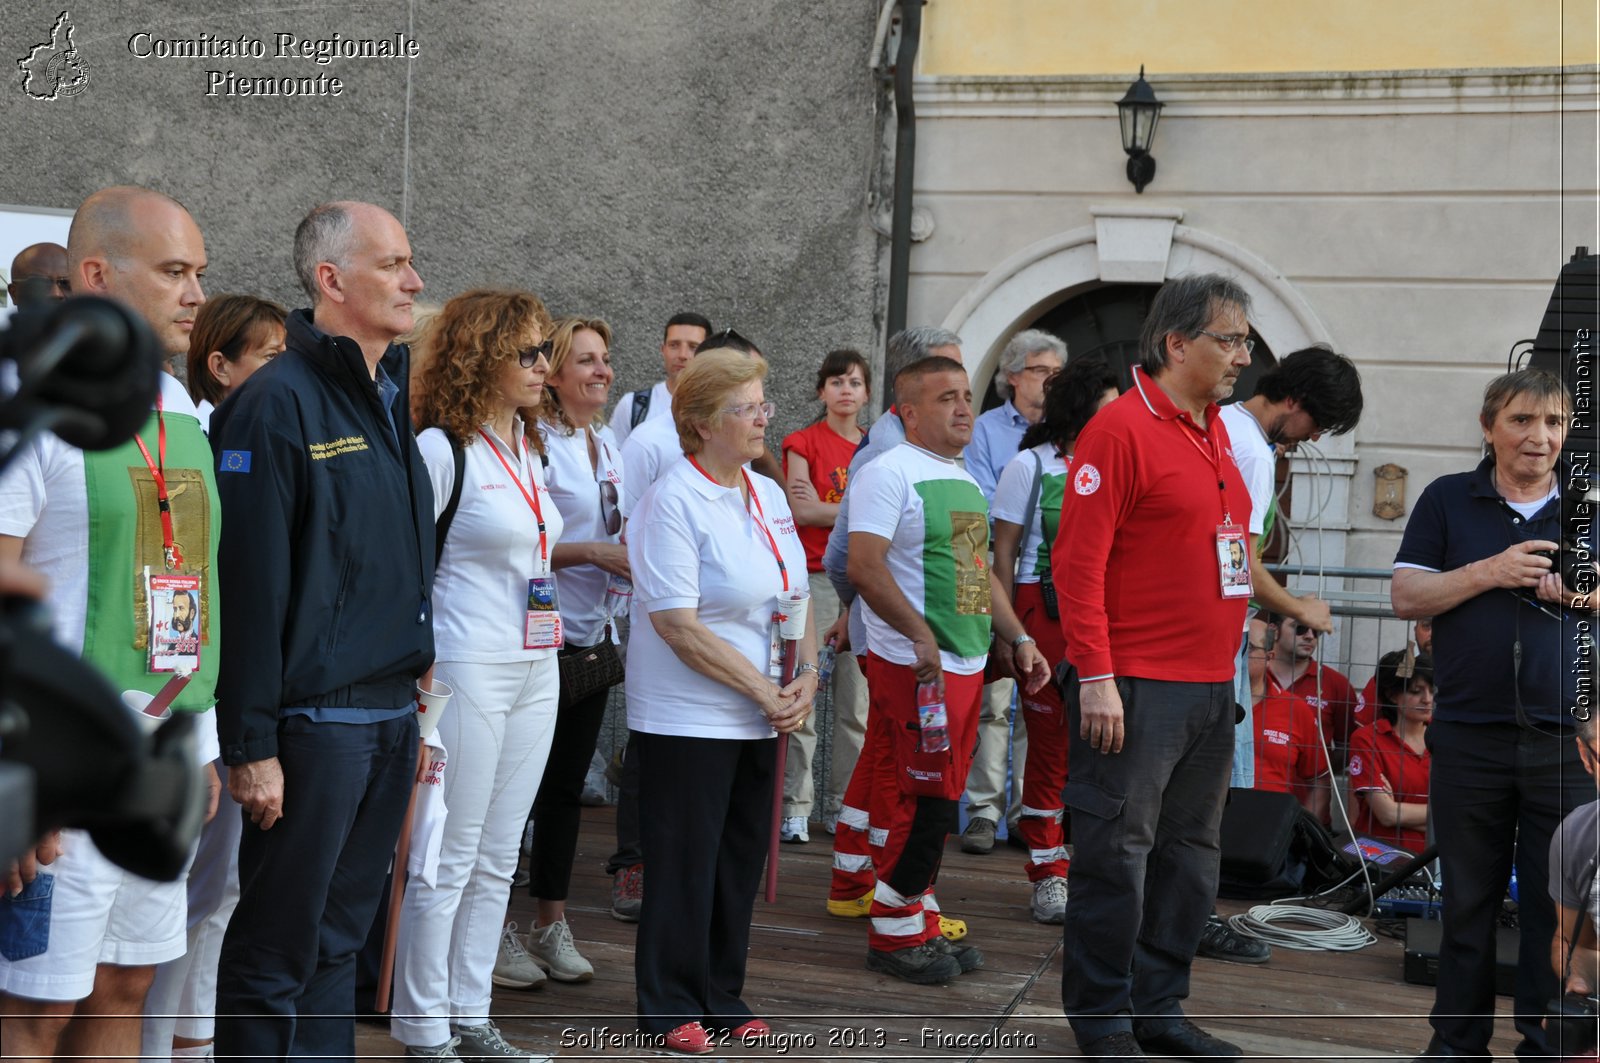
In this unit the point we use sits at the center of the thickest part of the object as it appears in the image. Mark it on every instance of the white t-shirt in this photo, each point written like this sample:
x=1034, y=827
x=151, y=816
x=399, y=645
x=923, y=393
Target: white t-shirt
x=575, y=485
x=1257, y=460
x=622, y=416
x=645, y=455
x=693, y=545
x=480, y=591
x=1010, y=504
x=44, y=502
x=937, y=523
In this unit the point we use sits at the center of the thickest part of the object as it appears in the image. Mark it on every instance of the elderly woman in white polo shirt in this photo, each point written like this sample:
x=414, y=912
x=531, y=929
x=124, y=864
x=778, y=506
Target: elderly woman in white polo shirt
x=711, y=546
x=496, y=630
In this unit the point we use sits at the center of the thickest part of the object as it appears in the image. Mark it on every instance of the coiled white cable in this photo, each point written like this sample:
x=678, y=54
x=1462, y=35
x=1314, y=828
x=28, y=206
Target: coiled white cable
x=1318, y=929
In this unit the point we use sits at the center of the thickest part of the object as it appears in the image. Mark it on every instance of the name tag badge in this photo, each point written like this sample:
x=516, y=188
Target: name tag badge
x=543, y=628
x=775, y=652
x=176, y=611
x=1233, y=561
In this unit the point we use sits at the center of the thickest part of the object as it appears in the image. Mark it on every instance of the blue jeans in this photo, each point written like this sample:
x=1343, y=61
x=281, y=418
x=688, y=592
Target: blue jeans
x=309, y=887
x=1497, y=793
x=1145, y=826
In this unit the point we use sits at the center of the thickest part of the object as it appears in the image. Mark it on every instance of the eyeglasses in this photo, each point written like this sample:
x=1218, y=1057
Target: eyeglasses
x=530, y=357
x=747, y=411
x=1043, y=372
x=1230, y=343
x=609, y=513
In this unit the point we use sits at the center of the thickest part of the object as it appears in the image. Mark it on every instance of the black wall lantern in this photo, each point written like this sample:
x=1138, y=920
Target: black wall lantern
x=1138, y=111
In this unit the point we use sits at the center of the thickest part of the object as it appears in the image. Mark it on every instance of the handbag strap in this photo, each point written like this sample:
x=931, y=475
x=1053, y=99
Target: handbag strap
x=1033, y=499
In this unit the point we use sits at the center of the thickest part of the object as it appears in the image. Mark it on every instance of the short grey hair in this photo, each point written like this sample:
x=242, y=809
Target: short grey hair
x=913, y=345
x=1014, y=358
x=324, y=235
x=1184, y=305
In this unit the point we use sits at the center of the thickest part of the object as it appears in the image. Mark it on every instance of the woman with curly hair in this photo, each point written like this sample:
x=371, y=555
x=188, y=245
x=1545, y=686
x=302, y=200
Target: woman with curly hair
x=496, y=629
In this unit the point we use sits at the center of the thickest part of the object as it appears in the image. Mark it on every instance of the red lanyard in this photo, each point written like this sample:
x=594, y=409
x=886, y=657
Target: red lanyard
x=1213, y=456
x=533, y=499
x=169, y=544
x=759, y=514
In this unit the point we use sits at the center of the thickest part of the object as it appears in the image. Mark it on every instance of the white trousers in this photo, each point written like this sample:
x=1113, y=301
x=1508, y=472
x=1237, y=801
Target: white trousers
x=498, y=728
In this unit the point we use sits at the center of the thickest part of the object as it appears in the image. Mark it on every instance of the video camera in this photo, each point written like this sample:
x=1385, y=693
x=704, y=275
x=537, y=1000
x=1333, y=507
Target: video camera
x=71, y=754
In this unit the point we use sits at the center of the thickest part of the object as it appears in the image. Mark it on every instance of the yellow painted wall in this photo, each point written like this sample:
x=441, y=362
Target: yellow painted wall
x=1040, y=37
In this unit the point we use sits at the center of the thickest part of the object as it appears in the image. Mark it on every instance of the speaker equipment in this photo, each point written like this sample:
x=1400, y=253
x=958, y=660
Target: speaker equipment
x=1257, y=829
x=1422, y=955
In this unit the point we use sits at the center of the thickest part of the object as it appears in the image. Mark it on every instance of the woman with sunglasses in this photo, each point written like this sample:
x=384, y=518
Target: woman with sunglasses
x=496, y=624
x=585, y=478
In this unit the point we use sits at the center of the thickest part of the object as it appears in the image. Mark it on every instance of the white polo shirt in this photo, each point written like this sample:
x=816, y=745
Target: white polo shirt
x=480, y=591
x=645, y=455
x=575, y=485
x=692, y=544
x=622, y=417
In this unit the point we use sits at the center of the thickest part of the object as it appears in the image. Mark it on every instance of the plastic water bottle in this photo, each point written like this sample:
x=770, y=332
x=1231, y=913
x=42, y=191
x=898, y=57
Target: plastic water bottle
x=931, y=718
x=620, y=590
x=825, y=658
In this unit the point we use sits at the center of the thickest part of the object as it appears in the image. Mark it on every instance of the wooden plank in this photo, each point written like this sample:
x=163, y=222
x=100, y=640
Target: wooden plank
x=807, y=976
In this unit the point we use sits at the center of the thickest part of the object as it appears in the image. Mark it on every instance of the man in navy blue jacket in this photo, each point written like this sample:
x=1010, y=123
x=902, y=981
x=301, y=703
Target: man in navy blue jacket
x=326, y=569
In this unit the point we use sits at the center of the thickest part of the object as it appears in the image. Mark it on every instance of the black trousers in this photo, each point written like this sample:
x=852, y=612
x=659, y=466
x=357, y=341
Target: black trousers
x=557, y=810
x=1145, y=826
x=1498, y=791
x=705, y=842
x=628, y=849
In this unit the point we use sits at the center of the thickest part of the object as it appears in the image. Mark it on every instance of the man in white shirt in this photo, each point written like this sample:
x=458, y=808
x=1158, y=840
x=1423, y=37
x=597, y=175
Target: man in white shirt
x=684, y=334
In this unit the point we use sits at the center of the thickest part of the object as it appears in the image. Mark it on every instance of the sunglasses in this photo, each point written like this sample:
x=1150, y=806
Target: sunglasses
x=530, y=357
x=609, y=513
x=726, y=338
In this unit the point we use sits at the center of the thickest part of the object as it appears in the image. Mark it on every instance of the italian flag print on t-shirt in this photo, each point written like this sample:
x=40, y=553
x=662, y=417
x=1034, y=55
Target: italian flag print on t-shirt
x=937, y=523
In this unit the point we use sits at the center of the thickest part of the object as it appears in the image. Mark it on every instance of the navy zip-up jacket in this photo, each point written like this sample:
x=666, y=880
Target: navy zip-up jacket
x=326, y=553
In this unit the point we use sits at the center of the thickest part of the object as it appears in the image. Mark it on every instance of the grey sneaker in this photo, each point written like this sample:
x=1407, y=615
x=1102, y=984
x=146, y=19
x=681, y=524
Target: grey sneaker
x=1050, y=900
x=553, y=950
x=514, y=968
x=627, y=893
x=446, y=1051
x=979, y=836
x=968, y=956
x=919, y=964
x=484, y=1043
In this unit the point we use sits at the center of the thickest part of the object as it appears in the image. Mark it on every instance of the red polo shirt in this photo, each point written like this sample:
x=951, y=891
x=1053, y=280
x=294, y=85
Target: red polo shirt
x=1338, y=703
x=1135, y=559
x=1289, y=757
x=1376, y=749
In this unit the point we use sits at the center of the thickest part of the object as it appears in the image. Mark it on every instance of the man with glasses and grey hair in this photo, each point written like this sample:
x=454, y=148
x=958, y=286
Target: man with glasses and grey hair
x=326, y=573
x=1154, y=506
x=1027, y=364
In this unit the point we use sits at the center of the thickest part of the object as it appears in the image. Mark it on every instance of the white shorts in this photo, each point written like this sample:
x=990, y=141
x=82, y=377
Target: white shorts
x=99, y=913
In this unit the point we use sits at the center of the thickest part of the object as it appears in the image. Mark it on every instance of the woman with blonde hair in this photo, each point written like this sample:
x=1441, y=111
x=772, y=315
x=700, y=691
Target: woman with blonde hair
x=711, y=548
x=497, y=629
x=585, y=478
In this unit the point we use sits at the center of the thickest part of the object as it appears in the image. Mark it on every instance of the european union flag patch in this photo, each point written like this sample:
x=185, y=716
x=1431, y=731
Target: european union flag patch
x=234, y=461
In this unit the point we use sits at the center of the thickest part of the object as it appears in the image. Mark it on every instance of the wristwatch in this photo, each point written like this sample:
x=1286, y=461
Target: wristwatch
x=1017, y=642
x=807, y=667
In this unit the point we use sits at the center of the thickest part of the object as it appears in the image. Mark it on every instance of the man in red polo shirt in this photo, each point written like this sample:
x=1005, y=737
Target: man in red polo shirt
x=1293, y=668
x=1151, y=609
x=1289, y=755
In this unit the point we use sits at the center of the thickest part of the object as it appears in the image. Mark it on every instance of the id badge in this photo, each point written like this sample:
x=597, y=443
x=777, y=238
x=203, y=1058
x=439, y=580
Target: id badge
x=174, y=605
x=775, y=651
x=543, y=628
x=1233, y=561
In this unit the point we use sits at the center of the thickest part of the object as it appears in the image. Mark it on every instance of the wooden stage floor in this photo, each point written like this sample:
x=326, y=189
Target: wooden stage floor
x=807, y=977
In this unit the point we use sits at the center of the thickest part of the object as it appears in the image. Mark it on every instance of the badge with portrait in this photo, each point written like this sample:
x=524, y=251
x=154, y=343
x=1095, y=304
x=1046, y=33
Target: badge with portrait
x=1233, y=561
x=174, y=607
x=543, y=628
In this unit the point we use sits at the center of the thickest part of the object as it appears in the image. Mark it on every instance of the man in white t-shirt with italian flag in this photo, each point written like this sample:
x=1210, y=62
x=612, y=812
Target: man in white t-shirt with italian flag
x=919, y=546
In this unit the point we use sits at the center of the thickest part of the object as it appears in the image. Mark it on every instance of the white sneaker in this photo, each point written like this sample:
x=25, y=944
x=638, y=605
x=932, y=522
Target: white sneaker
x=552, y=949
x=484, y=1043
x=830, y=823
x=794, y=830
x=1050, y=900
x=514, y=968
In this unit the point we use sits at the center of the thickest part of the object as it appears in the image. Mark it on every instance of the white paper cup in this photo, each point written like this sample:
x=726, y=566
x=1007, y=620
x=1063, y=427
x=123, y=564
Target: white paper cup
x=136, y=700
x=792, y=606
x=430, y=706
